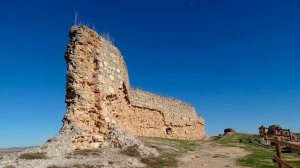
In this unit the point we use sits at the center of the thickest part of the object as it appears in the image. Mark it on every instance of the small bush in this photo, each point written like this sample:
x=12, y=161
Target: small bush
x=132, y=151
x=31, y=156
x=87, y=152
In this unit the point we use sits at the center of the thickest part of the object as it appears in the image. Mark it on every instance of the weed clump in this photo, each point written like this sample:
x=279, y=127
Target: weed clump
x=31, y=156
x=131, y=151
x=86, y=152
x=54, y=166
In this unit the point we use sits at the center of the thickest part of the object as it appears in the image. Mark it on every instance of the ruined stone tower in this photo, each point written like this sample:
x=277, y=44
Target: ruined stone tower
x=104, y=111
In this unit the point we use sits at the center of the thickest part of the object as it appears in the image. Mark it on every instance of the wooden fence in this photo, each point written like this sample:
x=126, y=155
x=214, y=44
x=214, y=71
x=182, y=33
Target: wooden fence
x=284, y=163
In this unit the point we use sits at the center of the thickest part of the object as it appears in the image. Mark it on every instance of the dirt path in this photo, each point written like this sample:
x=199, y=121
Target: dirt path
x=212, y=155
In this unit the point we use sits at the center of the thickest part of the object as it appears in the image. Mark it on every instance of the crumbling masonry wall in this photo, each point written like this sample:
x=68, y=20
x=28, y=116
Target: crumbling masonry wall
x=179, y=116
x=99, y=98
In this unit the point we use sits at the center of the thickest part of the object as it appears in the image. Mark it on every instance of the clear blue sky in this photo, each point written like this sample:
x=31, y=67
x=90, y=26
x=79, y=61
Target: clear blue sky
x=237, y=62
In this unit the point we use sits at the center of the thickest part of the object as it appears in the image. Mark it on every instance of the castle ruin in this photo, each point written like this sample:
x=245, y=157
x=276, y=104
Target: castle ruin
x=104, y=111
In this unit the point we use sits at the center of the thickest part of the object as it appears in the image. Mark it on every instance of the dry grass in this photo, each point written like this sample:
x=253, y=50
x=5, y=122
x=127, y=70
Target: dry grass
x=107, y=37
x=170, y=150
x=158, y=148
x=131, y=151
x=87, y=152
x=31, y=156
x=165, y=160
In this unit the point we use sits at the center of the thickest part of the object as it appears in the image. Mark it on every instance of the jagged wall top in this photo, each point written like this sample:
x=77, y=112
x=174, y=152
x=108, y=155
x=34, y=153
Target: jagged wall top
x=101, y=57
x=95, y=69
x=101, y=67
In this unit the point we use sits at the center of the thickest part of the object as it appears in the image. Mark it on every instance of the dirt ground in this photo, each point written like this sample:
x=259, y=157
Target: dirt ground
x=212, y=155
x=10, y=151
x=207, y=155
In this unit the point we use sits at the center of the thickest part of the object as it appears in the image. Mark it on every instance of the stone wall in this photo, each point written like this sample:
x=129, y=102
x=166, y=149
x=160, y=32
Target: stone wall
x=176, y=112
x=96, y=72
x=142, y=120
x=95, y=69
x=100, y=101
x=167, y=113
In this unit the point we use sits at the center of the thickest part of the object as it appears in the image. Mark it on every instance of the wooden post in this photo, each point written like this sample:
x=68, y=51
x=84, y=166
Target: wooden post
x=265, y=134
x=278, y=152
x=290, y=134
